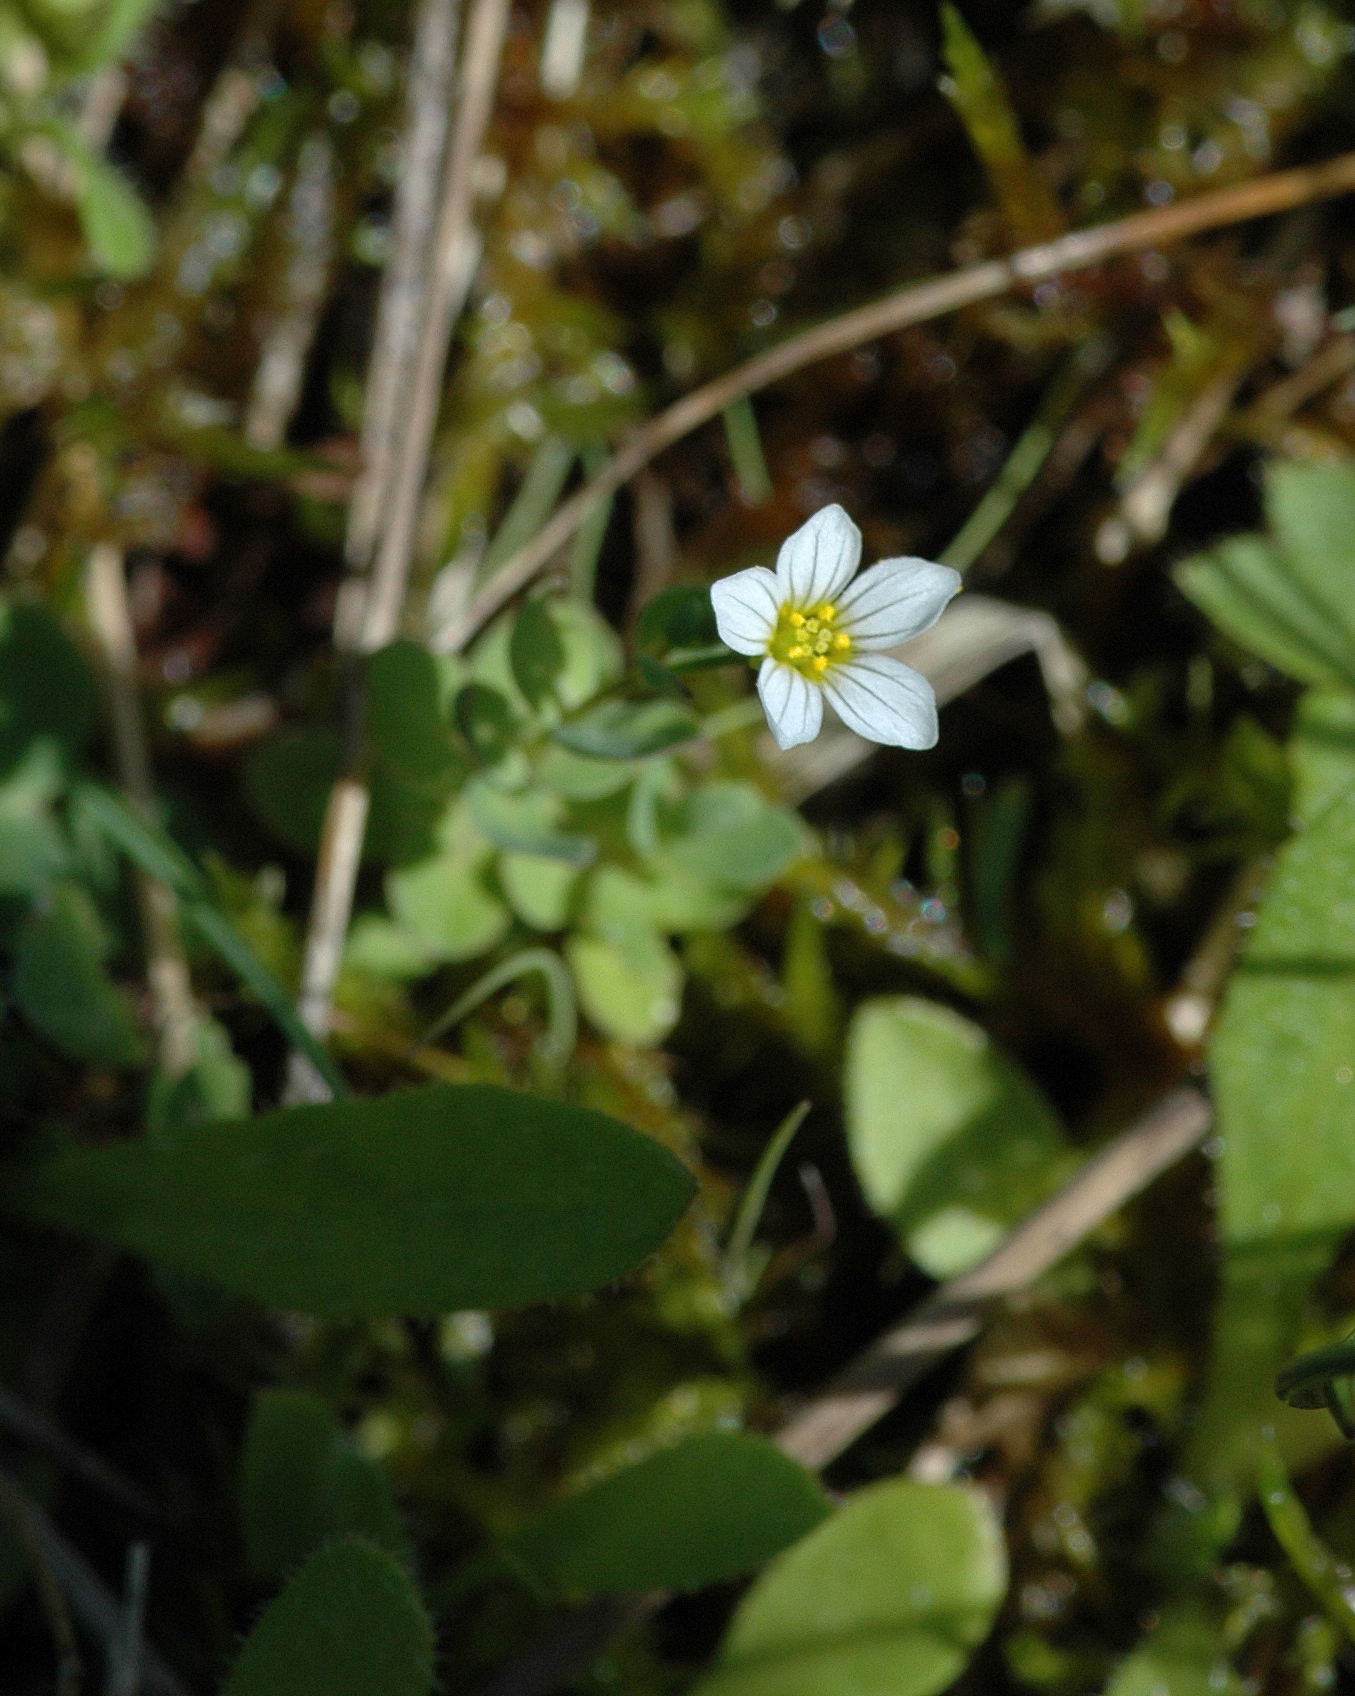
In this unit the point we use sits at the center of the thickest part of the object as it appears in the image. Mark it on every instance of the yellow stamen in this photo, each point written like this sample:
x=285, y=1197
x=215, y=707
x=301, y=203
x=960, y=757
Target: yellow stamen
x=807, y=639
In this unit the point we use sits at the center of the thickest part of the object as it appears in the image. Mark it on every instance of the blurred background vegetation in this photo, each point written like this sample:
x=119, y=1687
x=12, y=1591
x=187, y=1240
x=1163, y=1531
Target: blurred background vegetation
x=977, y=963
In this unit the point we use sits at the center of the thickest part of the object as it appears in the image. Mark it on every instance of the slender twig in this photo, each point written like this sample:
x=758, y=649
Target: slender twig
x=124, y=1661
x=69, y=1668
x=20, y=1420
x=451, y=266
x=953, y=1315
x=914, y=304
x=454, y=249
x=876, y=1381
x=399, y=312
x=166, y=968
x=90, y=1600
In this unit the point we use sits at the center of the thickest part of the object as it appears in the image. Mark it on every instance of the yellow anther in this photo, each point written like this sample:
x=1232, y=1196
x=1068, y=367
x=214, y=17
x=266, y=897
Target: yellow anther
x=842, y=640
x=798, y=652
x=827, y=612
x=797, y=619
x=820, y=662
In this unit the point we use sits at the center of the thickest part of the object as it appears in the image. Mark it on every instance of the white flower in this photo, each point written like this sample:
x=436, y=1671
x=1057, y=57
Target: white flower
x=820, y=629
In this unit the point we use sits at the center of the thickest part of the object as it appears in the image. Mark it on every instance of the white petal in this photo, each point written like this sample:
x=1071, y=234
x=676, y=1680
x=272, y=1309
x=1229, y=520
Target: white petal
x=818, y=561
x=884, y=700
x=894, y=600
x=746, y=606
x=793, y=705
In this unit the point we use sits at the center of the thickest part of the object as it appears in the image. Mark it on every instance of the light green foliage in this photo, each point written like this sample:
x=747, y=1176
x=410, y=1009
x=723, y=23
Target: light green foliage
x=1185, y=1656
x=713, y=1506
x=893, y=1593
x=447, y=905
x=1290, y=599
x=624, y=730
x=33, y=850
x=350, y=1623
x=1284, y=1054
x=949, y=1140
x=118, y=227
x=60, y=985
x=416, y=1202
x=630, y=991
x=536, y=652
x=216, y=1086
x=1322, y=750
x=303, y=1483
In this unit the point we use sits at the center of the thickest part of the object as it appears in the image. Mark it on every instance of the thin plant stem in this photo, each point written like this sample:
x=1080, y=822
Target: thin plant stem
x=914, y=304
x=1309, y=1556
x=562, y=1021
x=171, y=988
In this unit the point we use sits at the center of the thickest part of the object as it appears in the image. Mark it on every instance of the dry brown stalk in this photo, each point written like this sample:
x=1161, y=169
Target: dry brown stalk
x=447, y=270
x=914, y=304
x=953, y=1315
x=171, y=988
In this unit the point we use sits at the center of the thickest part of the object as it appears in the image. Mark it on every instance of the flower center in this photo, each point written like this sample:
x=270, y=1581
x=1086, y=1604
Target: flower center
x=808, y=639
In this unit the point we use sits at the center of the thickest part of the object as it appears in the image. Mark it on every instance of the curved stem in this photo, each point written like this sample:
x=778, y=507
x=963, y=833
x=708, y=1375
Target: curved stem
x=735, y=1268
x=562, y=1018
x=914, y=304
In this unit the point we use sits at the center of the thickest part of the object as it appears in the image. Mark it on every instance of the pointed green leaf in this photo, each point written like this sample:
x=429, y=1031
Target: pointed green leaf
x=711, y=1507
x=894, y=1593
x=60, y=986
x=623, y=730
x=1284, y=1052
x=421, y=1201
x=535, y=651
x=349, y=1624
x=303, y=1483
x=118, y=228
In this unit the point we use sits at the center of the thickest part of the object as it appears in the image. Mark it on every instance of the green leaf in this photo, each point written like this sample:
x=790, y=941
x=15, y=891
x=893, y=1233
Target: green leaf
x=539, y=890
x=1285, y=1046
x=1311, y=508
x=216, y=1086
x=623, y=730
x=678, y=617
x=731, y=835
x=576, y=777
x=1186, y=1655
x=122, y=23
x=949, y=1140
x=1322, y=750
x=632, y=993
x=421, y=1201
x=526, y=821
x=33, y=850
x=116, y=223
x=46, y=689
x=1253, y=593
x=350, y=1623
x=287, y=783
x=893, y=1593
x=60, y=986
x=535, y=651
x=302, y=1483
x=409, y=692
x=486, y=721
x=446, y=904
x=711, y=1507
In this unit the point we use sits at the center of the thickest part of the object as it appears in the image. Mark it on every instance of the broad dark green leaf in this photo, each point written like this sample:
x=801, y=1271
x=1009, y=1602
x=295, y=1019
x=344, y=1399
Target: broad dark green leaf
x=1284, y=1053
x=623, y=730
x=713, y=1506
x=892, y=1594
x=421, y=1201
x=350, y=1623
x=287, y=783
x=950, y=1141
x=677, y=617
x=46, y=689
x=486, y=721
x=408, y=717
x=303, y=1483
x=61, y=987
x=535, y=651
